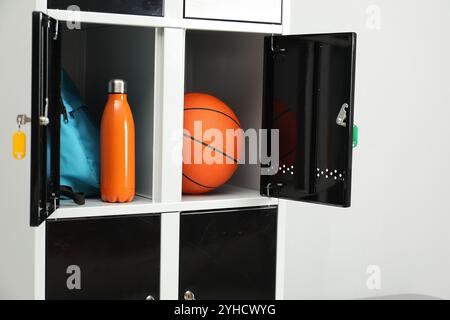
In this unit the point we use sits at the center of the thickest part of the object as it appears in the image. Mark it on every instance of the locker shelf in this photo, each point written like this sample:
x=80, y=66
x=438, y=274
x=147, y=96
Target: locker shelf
x=96, y=207
x=227, y=196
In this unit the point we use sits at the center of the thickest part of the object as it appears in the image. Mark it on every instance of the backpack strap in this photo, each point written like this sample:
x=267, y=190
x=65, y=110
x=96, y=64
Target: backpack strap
x=77, y=197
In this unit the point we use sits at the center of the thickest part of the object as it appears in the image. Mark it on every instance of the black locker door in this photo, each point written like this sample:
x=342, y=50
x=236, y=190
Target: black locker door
x=137, y=7
x=103, y=258
x=308, y=98
x=228, y=254
x=45, y=115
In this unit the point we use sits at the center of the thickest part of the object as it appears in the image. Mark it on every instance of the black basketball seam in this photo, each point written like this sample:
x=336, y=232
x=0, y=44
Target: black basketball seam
x=223, y=113
x=288, y=153
x=210, y=147
x=280, y=115
x=201, y=185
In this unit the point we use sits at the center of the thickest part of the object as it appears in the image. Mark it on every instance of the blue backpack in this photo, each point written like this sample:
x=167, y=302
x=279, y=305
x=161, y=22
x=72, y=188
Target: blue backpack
x=79, y=146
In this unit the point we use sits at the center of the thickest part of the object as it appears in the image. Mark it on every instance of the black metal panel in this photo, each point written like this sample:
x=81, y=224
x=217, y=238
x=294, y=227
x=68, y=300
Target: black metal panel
x=137, y=7
x=307, y=80
x=46, y=50
x=118, y=258
x=229, y=254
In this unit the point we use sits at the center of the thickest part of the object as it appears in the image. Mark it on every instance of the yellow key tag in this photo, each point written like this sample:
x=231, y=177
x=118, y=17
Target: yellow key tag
x=19, y=145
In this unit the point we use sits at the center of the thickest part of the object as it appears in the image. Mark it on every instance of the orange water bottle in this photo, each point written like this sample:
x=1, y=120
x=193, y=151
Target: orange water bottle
x=117, y=182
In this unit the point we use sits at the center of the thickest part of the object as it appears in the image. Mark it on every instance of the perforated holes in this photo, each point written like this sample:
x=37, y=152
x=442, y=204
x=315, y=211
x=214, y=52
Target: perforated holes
x=328, y=173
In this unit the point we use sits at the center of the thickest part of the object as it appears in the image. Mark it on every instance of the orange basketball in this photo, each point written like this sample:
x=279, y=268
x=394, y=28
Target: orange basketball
x=209, y=158
x=284, y=119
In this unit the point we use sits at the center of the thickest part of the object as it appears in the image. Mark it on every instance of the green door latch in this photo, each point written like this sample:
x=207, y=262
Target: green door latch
x=355, y=136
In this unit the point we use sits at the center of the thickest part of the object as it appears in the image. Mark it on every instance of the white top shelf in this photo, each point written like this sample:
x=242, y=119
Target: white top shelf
x=164, y=22
x=225, y=197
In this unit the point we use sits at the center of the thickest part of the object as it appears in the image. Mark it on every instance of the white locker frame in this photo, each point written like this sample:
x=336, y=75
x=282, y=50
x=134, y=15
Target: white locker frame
x=168, y=121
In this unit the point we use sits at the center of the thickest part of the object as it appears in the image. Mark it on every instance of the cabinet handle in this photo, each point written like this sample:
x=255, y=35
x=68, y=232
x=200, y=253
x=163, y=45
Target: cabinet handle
x=150, y=297
x=342, y=116
x=189, y=295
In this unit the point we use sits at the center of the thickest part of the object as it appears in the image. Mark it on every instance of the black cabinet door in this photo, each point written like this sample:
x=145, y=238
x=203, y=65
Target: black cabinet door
x=308, y=100
x=137, y=7
x=45, y=113
x=103, y=258
x=228, y=254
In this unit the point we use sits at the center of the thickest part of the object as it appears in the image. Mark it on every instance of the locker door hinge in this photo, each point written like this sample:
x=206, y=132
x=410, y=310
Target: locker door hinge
x=55, y=201
x=275, y=48
x=48, y=21
x=55, y=37
x=273, y=190
x=44, y=119
x=51, y=205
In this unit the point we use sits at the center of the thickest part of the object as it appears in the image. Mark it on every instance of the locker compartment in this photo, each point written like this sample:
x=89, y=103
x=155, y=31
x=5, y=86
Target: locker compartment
x=99, y=53
x=230, y=66
x=228, y=254
x=266, y=11
x=300, y=86
x=91, y=56
x=138, y=7
x=103, y=258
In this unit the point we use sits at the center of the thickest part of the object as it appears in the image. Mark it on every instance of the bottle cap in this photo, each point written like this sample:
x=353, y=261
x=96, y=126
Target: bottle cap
x=117, y=86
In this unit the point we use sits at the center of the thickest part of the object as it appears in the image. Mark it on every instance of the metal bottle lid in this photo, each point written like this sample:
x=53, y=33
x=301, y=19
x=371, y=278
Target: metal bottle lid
x=117, y=86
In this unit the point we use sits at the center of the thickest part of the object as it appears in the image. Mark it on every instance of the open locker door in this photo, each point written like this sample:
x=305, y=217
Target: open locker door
x=45, y=118
x=308, y=97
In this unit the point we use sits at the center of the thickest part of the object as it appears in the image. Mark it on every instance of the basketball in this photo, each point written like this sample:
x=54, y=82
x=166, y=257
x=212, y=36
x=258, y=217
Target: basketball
x=209, y=158
x=284, y=119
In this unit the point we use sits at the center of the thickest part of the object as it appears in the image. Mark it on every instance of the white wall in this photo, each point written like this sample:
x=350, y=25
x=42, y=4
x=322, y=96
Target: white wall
x=400, y=214
x=17, y=238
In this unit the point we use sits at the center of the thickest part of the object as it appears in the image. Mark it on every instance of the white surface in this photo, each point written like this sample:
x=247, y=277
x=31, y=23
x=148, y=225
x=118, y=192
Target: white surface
x=163, y=22
x=96, y=207
x=280, y=284
x=39, y=262
x=227, y=197
x=168, y=122
x=17, y=239
x=287, y=16
x=224, y=197
x=173, y=9
x=170, y=248
x=399, y=219
x=249, y=10
x=41, y=5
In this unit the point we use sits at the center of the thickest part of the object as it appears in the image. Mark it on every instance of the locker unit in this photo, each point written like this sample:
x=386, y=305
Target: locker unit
x=103, y=258
x=227, y=244
x=228, y=254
